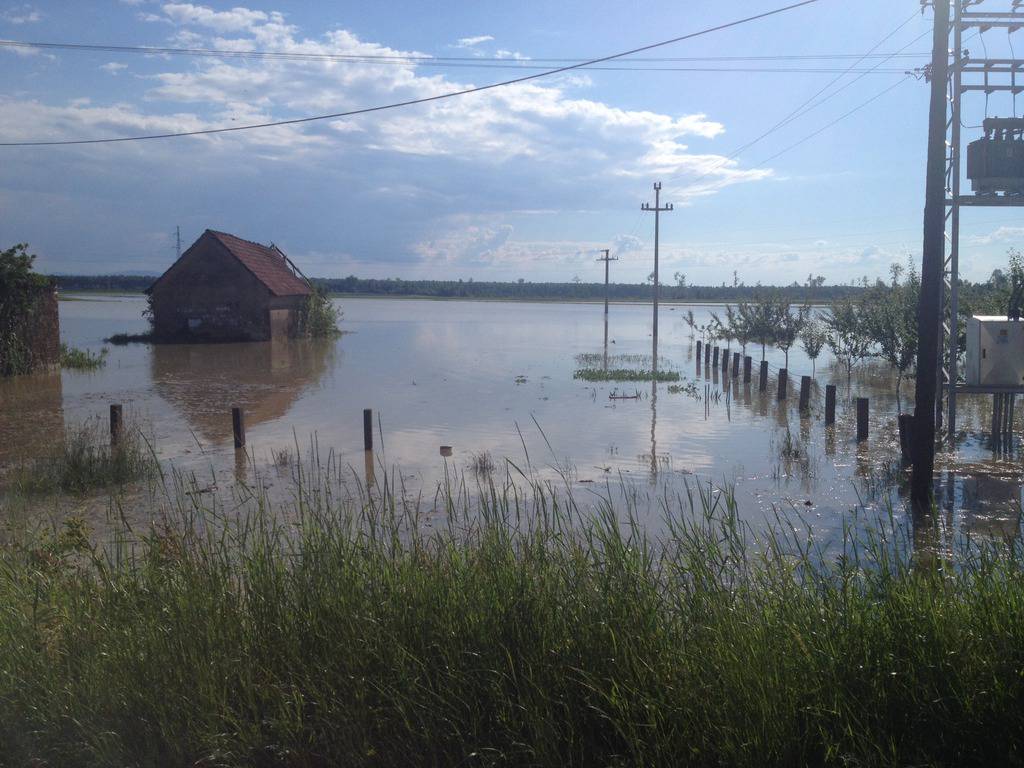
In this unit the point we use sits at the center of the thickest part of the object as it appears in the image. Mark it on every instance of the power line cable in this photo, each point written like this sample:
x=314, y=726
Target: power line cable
x=405, y=59
x=838, y=120
x=810, y=104
x=411, y=102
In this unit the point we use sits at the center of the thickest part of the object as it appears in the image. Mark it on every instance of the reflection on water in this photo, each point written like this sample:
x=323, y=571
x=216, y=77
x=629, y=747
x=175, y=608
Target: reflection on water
x=204, y=381
x=31, y=415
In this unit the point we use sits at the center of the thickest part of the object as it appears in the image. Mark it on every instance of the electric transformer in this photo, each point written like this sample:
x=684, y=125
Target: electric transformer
x=995, y=163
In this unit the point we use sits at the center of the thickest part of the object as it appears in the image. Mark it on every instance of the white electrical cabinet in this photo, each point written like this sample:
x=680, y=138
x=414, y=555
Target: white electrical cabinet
x=995, y=352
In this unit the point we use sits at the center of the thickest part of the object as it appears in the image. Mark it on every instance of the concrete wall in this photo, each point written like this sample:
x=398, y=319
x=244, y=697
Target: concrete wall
x=38, y=332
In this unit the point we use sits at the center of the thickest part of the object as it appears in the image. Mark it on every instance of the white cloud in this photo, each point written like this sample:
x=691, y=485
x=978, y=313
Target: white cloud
x=626, y=244
x=21, y=14
x=234, y=20
x=1001, y=235
x=113, y=67
x=469, y=42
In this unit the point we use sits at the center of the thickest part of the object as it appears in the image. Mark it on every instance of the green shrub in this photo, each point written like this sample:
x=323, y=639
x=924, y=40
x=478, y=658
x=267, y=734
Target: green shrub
x=319, y=317
x=81, y=359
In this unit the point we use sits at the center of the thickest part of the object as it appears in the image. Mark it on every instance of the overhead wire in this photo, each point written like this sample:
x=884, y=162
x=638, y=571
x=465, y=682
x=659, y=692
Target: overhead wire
x=406, y=59
x=811, y=103
x=411, y=102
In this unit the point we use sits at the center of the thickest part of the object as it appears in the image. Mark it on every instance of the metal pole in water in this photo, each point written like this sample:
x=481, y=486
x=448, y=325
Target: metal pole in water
x=764, y=376
x=783, y=381
x=747, y=363
x=805, y=394
x=735, y=364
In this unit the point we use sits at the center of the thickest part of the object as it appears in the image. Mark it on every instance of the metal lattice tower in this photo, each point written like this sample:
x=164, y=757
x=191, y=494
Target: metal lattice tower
x=969, y=74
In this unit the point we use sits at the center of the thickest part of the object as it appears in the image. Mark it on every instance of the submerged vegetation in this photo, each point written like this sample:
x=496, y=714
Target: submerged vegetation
x=622, y=367
x=121, y=339
x=84, y=460
x=521, y=630
x=81, y=359
x=624, y=374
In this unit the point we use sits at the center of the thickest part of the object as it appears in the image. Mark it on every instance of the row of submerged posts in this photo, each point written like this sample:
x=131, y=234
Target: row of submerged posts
x=238, y=433
x=715, y=356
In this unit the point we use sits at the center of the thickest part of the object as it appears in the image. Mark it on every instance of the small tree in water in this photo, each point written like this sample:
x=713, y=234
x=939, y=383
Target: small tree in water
x=762, y=319
x=848, y=334
x=813, y=339
x=690, y=321
x=789, y=327
x=892, y=323
x=319, y=318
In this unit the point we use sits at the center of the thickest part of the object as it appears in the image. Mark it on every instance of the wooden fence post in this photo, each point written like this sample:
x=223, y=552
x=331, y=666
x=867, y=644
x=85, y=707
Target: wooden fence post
x=747, y=363
x=906, y=424
x=805, y=394
x=783, y=381
x=830, y=404
x=116, y=425
x=764, y=376
x=367, y=429
x=862, y=419
x=238, y=426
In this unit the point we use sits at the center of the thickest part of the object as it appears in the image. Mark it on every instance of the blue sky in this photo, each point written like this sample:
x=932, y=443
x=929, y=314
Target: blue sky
x=520, y=182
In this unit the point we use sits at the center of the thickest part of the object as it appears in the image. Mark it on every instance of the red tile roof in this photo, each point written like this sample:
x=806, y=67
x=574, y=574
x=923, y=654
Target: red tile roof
x=268, y=264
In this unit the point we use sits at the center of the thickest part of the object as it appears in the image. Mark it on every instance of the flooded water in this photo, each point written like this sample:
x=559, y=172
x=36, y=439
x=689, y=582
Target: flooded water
x=497, y=378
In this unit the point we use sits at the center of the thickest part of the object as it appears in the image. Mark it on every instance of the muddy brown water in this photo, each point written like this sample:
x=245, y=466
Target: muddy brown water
x=497, y=379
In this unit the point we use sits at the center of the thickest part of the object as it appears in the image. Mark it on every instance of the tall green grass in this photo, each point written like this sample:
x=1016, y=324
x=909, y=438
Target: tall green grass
x=84, y=460
x=502, y=624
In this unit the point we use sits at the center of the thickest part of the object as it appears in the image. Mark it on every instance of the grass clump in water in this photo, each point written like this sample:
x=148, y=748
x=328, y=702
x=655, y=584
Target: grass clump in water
x=85, y=460
x=523, y=631
x=81, y=359
x=624, y=374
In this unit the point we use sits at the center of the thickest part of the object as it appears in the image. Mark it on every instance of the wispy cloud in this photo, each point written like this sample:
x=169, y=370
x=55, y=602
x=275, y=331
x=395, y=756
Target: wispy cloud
x=469, y=42
x=21, y=14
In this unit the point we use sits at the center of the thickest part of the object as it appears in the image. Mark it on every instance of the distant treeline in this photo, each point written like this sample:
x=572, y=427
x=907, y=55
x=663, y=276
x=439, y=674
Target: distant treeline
x=127, y=283
x=470, y=289
x=574, y=291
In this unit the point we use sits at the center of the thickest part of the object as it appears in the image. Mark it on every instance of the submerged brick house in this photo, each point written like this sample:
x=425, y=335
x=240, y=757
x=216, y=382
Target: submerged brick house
x=224, y=288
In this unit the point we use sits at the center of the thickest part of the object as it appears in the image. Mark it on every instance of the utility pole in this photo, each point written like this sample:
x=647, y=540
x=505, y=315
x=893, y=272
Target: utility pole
x=929, y=311
x=606, y=258
x=177, y=239
x=658, y=209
